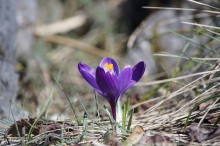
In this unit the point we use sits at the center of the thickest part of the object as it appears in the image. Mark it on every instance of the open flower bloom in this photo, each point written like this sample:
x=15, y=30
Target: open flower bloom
x=109, y=82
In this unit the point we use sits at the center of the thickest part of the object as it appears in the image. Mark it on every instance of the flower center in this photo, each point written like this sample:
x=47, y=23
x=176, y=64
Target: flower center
x=110, y=67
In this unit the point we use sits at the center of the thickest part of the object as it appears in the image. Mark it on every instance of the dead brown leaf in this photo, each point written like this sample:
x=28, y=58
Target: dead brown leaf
x=204, y=105
x=212, y=117
x=156, y=139
x=135, y=136
x=23, y=126
x=202, y=133
x=139, y=137
x=55, y=127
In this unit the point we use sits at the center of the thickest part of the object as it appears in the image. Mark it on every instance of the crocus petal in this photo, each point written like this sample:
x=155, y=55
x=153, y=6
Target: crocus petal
x=137, y=73
x=88, y=74
x=124, y=79
x=110, y=61
x=108, y=84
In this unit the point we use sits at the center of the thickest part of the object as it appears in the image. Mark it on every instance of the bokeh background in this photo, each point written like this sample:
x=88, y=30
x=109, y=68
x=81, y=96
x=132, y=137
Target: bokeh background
x=54, y=35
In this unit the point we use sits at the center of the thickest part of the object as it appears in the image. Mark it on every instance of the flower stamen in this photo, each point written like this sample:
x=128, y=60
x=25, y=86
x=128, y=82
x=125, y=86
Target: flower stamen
x=110, y=67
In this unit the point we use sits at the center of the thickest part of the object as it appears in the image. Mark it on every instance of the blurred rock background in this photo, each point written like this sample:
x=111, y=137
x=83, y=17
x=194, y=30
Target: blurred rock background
x=8, y=76
x=155, y=35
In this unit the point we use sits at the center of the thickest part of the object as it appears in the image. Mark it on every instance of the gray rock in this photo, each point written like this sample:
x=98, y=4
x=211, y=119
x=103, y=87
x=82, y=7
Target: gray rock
x=154, y=36
x=26, y=16
x=8, y=75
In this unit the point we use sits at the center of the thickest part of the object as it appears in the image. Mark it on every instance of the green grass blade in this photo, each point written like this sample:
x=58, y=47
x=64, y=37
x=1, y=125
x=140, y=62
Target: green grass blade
x=74, y=112
x=77, y=138
x=203, y=33
x=90, y=116
x=128, y=106
x=130, y=120
x=19, y=134
x=84, y=124
x=46, y=106
x=216, y=122
x=197, y=105
x=114, y=122
x=196, y=43
x=189, y=58
x=124, y=116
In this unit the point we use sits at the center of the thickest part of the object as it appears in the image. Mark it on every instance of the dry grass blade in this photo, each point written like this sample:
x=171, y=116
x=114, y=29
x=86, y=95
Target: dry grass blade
x=182, y=9
x=80, y=45
x=212, y=32
x=162, y=23
x=61, y=26
x=203, y=4
x=176, y=93
x=200, y=122
x=170, y=55
x=206, y=92
x=177, y=19
x=174, y=79
x=201, y=25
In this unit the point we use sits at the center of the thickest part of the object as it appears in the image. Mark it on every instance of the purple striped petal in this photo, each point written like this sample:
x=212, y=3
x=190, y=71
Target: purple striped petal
x=109, y=60
x=88, y=74
x=108, y=84
x=137, y=72
x=124, y=79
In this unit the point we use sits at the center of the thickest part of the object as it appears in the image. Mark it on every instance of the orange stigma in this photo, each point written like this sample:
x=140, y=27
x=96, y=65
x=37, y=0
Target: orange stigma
x=109, y=66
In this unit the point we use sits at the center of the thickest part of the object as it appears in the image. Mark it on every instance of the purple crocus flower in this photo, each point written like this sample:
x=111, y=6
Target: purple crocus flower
x=109, y=82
